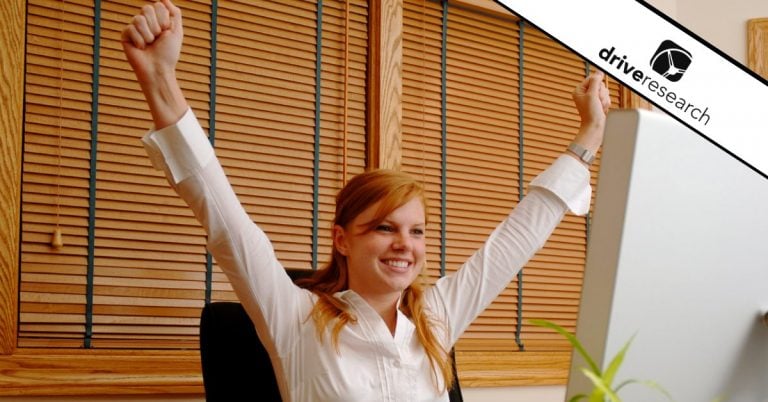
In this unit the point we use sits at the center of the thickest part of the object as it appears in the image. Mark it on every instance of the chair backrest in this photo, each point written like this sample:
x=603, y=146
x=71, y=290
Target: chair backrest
x=234, y=361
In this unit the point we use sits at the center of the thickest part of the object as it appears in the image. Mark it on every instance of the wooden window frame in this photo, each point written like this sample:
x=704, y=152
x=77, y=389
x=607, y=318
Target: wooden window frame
x=757, y=46
x=385, y=85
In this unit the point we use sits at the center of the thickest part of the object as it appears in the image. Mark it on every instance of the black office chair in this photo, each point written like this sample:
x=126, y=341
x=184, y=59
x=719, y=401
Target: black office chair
x=235, y=362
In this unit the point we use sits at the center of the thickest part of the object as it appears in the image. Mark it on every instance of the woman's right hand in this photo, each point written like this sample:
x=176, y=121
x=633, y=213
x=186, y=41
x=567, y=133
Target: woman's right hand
x=152, y=40
x=152, y=45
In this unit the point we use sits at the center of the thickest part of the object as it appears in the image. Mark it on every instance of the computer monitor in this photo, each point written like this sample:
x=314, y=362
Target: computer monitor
x=677, y=254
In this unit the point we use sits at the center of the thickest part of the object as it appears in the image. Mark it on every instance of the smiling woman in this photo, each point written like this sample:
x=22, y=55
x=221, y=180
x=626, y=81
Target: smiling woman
x=391, y=336
x=384, y=245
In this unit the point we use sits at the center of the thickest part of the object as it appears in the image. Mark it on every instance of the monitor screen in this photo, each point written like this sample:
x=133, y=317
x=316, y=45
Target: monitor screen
x=677, y=256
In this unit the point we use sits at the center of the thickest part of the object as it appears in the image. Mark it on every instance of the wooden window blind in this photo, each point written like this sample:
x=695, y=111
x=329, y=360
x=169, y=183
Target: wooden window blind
x=56, y=170
x=134, y=258
x=487, y=166
x=421, y=104
x=266, y=85
x=332, y=125
x=132, y=272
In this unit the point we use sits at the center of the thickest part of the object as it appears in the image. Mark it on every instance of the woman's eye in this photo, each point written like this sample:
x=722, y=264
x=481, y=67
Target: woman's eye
x=418, y=232
x=384, y=228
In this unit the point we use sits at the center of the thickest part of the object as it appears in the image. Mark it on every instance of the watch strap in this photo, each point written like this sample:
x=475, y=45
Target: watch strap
x=584, y=154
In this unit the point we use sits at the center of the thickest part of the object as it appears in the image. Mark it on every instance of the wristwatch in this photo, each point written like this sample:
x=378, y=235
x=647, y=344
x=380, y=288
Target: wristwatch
x=584, y=154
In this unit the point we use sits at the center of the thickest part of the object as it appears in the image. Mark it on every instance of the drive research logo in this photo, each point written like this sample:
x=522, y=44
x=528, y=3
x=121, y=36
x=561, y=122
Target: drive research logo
x=624, y=65
x=671, y=60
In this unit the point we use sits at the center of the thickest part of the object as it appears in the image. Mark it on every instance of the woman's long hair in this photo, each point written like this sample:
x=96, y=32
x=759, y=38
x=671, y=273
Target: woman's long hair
x=391, y=189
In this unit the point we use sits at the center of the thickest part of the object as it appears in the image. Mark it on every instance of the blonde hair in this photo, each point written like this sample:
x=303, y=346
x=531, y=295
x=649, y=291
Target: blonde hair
x=391, y=189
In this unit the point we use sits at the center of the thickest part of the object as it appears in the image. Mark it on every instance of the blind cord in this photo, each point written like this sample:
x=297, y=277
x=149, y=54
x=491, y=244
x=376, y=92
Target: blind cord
x=346, y=92
x=423, y=95
x=57, y=241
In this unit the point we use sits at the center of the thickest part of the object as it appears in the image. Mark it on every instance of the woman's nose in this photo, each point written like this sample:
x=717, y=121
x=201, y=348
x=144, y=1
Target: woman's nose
x=402, y=241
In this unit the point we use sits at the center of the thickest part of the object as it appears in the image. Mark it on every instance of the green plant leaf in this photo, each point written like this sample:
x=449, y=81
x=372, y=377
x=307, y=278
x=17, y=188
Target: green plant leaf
x=618, y=359
x=648, y=383
x=572, y=340
x=577, y=398
x=625, y=383
x=601, y=386
x=597, y=395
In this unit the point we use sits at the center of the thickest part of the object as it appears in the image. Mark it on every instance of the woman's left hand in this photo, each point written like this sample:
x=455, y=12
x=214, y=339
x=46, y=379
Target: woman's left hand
x=592, y=101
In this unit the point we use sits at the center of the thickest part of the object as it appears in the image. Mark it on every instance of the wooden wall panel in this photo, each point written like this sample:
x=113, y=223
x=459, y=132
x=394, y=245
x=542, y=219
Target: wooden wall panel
x=12, y=13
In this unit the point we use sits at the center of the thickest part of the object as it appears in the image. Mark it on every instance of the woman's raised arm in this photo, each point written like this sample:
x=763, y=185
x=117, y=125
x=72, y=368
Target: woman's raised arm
x=152, y=44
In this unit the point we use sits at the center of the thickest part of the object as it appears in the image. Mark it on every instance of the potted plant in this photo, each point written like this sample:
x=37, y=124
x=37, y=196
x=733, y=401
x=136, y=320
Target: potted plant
x=602, y=379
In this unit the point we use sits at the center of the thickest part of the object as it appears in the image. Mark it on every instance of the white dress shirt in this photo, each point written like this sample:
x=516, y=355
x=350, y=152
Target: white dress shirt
x=371, y=364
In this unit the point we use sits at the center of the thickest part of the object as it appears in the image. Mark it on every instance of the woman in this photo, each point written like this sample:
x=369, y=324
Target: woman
x=363, y=328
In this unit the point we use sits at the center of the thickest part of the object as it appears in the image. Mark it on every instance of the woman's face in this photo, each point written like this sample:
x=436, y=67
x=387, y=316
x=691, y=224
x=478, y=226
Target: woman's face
x=387, y=259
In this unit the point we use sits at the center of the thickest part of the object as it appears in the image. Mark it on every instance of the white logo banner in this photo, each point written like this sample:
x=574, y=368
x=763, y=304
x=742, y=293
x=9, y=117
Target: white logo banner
x=666, y=64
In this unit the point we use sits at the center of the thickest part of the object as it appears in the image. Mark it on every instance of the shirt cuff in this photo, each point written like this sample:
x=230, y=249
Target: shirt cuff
x=179, y=149
x=568, y=180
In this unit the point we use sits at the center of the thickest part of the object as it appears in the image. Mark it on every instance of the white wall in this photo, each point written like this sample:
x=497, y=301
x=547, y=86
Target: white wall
x=722, y=24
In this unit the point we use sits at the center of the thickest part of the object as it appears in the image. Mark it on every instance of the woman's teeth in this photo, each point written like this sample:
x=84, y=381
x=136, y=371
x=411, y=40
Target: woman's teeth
x=397, y=263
